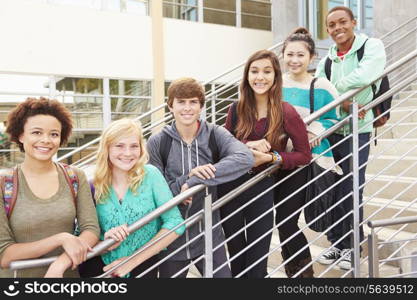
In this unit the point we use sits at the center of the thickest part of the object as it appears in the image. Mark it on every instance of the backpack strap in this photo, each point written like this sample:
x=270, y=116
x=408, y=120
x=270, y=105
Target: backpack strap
x=164, y=148
x=361, y=51
x=312, y=95
x=9, y=185
x=359, y=55
x=72, y=180
x=215, y=153
x=328, y=68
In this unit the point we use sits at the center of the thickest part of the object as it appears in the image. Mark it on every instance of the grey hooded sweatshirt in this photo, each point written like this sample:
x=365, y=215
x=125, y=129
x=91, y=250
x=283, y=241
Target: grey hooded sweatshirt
x=235, y=159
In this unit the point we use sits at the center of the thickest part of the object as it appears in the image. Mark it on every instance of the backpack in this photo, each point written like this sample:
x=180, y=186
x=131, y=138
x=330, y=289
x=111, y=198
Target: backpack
x=166, y=142
x=10, y=184
x=384, y=87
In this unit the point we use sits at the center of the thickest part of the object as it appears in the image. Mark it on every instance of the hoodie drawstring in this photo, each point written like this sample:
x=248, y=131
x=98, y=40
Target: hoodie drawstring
x=182, y=158
x=196, y=151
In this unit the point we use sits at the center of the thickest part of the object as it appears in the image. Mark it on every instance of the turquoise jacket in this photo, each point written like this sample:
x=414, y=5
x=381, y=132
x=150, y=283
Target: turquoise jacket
x=348, y=74
x=151, y=193
x=298, y=95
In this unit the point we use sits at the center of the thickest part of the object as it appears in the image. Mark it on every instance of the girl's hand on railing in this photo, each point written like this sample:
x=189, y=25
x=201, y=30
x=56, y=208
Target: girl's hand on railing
x=314, y=143
x=260, y=145
x=122, y=270
x=75, y=248
x=55, y=270
x=119, y=234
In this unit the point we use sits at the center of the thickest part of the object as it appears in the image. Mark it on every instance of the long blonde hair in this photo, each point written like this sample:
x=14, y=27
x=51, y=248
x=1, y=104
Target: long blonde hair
x=103, y=173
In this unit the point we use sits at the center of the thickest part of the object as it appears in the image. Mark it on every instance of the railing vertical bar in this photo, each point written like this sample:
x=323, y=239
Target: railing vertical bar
x=355, y=170
x=208, y=236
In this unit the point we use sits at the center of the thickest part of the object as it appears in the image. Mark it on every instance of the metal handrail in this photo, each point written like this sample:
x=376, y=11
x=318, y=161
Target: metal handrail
x=389, y=222
x=238, y=66
x=101, y=246
x=96, y=140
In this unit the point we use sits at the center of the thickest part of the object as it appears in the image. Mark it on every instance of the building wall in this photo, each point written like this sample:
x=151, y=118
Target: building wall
x=389, y=14
x=284, y=18
x=72, y=41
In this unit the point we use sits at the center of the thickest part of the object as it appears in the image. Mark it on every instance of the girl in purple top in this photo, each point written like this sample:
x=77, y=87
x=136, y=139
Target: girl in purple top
x=262, y=121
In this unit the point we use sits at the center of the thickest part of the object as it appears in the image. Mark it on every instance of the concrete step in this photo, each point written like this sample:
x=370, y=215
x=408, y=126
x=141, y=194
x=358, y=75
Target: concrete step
x=399, y=113
x=393, y=165
x=323, y=271
x=401, y=249
x=404, y=94
x=412, y=87
x=395, y=146
x=275, y=258
x=404, y=129
x=400, y=102
x=379, y=208
x=402, y=188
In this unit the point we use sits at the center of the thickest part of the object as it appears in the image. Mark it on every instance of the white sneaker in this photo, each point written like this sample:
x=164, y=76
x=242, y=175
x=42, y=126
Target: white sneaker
x=330, y=256
x=346, y=262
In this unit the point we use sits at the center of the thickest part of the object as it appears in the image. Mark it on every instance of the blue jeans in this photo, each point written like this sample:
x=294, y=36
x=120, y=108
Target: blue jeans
x=345, y=187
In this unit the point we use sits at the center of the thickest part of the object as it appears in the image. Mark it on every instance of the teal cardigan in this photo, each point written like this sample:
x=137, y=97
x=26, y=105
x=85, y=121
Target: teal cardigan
x=151, y=193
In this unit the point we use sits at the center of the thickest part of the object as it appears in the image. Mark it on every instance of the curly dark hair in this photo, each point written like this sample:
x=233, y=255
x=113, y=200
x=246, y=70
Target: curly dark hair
x=16, y=119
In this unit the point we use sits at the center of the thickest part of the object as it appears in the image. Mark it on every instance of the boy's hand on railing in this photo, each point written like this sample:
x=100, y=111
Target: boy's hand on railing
x=119, y=234
x=362, y=113
x=188, y=200
x=122, y=270
x=260, y=145
x=75, y=248
x=203, y=172
x=346, y=107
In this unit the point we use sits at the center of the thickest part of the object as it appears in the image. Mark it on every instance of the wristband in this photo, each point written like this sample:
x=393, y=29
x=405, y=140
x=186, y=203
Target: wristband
x=277, y=157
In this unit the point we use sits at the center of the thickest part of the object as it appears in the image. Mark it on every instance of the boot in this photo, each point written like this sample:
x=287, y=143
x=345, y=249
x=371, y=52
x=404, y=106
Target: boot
x=292, y=268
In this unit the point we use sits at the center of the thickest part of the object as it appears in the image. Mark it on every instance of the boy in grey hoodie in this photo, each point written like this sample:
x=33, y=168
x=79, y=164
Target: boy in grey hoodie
x=190, y=162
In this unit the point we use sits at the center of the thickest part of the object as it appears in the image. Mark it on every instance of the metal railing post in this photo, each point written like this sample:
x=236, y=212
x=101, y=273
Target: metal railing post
x=200, y=11
x=52, y=87
x=213, y=104
x=355, y=173
x=238, y=13
x=373, y=259
x=106, y=102
x=208, y=236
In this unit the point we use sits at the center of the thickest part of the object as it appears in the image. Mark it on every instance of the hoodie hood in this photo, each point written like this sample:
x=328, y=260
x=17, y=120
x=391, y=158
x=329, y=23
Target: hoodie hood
x=360, y=39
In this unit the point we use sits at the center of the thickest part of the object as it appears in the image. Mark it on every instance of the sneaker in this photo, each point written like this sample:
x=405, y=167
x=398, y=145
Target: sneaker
x=330, y=256
x=346, y=262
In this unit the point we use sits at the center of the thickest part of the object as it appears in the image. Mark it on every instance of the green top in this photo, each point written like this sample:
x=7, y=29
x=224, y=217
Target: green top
x=151, y=193
x=34, y=218
x=349, y=73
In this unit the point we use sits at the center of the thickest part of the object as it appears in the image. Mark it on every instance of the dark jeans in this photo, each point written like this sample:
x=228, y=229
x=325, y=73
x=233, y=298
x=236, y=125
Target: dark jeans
x=287, y=208
x=346, y=186
x=253, y=232
x=171, y=267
